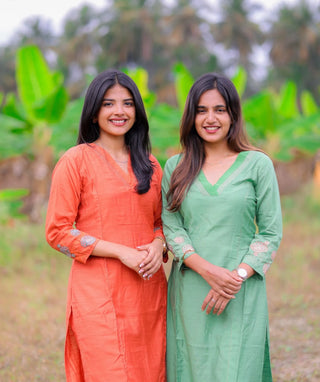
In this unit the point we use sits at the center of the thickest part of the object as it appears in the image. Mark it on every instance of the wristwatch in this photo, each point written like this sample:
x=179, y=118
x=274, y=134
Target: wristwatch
x=242, y=273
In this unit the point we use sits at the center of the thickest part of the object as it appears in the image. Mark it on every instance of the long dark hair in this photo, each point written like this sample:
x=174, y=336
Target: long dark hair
x=193, y=153
x=136, y=139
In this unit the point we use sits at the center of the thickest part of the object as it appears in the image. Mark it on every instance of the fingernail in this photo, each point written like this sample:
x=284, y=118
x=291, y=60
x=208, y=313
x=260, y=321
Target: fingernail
x=145, y=275
x=141, y=270
x=149, y=277
x=141, y=265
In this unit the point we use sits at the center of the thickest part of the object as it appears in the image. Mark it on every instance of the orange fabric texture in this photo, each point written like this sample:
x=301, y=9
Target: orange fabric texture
x=116, y=321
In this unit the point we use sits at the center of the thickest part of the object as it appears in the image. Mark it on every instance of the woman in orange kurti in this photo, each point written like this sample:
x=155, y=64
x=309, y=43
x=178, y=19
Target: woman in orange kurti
x=104, y=212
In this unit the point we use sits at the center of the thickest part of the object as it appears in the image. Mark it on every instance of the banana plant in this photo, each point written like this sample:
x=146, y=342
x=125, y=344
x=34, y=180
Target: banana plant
x=275, y=123
x=27, y=120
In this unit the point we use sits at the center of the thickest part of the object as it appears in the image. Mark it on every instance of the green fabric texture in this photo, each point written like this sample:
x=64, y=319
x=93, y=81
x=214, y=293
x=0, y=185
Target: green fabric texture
x=236, y=220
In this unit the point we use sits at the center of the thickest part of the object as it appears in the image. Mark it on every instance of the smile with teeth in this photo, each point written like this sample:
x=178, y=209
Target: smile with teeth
x=211, y=128
x=118, y=122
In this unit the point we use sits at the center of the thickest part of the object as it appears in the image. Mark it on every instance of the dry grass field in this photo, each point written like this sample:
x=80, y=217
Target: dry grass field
x=33, y=281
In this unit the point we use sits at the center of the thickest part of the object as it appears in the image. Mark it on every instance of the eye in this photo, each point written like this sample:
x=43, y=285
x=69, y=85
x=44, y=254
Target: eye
x=106, y=103
x=200, y=110
x=129, y=103
x=221, y=110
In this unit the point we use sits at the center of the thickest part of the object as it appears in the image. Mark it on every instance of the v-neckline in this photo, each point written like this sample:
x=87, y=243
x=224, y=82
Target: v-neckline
x=213, y=188
x=128, y=176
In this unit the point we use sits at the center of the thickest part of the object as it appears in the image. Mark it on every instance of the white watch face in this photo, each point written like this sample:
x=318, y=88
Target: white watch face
x=242, y=273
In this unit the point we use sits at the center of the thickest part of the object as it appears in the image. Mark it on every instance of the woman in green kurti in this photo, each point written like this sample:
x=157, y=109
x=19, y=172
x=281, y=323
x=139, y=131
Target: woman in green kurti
x=222, y=221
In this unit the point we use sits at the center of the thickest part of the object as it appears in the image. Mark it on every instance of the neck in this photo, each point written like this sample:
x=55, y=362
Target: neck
x=217, y=152
x=115, y=147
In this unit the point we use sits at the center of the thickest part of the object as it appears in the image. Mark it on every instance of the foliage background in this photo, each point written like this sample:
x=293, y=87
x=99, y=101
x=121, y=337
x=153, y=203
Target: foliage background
x=164, y=46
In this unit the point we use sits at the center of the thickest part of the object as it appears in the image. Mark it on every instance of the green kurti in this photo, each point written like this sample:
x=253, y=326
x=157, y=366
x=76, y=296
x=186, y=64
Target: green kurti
x=236, y=220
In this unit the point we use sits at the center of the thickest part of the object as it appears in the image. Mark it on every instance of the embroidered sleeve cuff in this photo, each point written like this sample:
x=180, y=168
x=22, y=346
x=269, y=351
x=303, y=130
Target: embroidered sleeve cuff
x=82, y=246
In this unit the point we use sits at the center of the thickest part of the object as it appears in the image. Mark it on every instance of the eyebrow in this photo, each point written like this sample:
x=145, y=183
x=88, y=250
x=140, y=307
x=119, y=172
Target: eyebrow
x=112, y=99
x=202, y=106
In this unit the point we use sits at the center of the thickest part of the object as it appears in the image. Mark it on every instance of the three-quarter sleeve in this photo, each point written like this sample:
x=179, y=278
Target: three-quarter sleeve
x=65, y=198
x=263, y=247
x=178, y=240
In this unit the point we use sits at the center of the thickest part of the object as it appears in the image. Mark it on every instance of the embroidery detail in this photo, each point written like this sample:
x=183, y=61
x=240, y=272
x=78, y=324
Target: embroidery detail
x=187, y=248
x=259, y=247
x=75, y=232
x=87, y=240
x=265, y=268
x=170, y=248
x=178, y=239
x=66, y=251
x=156, y=229
x=273, y=255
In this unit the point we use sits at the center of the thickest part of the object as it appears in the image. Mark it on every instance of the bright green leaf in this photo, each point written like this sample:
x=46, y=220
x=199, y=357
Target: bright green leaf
x=13, y=108
x=260, y=112
x=52, y=108
x=140, y=77
x=183, y=83
x=308, y=103
x=239, y=80
x=287, y=101
x=38, y=88
x=12, y=194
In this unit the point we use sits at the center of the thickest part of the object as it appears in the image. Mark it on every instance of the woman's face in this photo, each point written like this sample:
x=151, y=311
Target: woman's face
x=117, y=112
x=212, y=120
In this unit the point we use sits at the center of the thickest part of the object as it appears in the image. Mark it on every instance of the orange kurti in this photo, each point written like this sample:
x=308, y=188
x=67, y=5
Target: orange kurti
x=116, y=321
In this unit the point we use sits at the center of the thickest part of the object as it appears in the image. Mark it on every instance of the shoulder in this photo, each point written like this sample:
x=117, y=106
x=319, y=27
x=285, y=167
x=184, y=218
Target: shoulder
x=260, y=165
x=72, y=153
x=71, y=159
x=258, y=158
x=172, y=163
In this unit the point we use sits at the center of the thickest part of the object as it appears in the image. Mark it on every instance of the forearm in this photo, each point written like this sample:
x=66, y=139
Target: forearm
x=108, y=249
x=224, y=282
x=199, y=265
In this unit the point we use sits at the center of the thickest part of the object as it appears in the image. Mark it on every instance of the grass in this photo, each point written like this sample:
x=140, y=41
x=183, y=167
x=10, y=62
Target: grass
x=293, y=293
x=33, y=281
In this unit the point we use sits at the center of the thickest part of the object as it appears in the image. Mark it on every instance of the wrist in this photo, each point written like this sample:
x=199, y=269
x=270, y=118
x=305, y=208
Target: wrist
x=164, y=247
x=242, y=273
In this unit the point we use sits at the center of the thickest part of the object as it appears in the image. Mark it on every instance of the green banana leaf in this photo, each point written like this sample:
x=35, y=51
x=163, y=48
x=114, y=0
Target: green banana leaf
x=41, y=91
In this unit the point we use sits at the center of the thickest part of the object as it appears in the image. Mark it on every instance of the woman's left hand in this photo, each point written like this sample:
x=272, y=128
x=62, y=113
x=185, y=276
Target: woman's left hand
x=215, y=304
x=153, y=261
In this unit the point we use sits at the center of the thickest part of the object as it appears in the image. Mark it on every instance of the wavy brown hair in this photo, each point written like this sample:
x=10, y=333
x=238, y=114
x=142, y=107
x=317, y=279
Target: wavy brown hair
x=193, y=153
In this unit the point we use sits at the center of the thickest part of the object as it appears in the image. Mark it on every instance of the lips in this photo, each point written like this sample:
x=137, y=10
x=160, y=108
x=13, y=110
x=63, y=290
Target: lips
x=211, y=129
x=118, y=122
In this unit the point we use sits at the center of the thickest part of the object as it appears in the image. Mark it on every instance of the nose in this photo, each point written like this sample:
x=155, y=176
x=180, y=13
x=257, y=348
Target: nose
x=119, y=108
x=211, y=116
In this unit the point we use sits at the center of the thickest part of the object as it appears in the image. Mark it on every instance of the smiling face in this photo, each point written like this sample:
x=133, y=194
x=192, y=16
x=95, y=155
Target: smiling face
x=117, y=112
x=212, y=121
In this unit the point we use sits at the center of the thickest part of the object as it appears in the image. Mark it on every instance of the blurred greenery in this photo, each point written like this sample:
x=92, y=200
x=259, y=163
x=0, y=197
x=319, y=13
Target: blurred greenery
x=46, y=122
x=163, y=46
x=10, y=204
